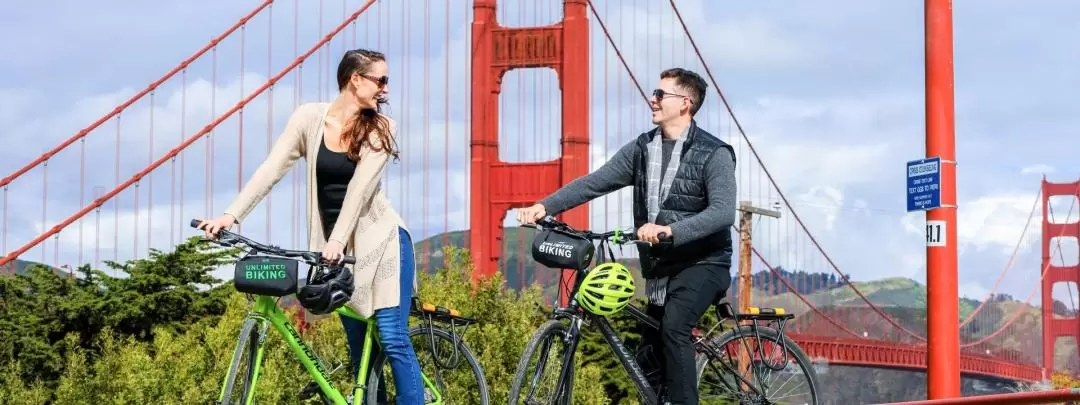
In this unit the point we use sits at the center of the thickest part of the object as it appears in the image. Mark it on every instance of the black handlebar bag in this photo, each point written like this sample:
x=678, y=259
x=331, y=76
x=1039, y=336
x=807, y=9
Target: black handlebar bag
x=264, y=275
x=561, y=250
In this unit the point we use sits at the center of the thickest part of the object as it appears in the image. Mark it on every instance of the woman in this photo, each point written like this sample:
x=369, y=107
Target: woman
x=347, y=145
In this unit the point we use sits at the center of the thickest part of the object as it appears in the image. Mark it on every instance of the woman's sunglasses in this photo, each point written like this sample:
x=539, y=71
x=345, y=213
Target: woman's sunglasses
x=381, y=81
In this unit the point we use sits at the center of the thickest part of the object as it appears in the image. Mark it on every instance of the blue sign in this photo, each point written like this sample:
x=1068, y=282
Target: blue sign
x=924, y=184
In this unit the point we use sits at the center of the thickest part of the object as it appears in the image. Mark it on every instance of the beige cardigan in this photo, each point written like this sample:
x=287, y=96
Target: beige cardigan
x=367, y=225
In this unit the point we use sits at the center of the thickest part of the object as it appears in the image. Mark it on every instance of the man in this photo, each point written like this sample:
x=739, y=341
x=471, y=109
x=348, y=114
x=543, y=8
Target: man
x=684, y=187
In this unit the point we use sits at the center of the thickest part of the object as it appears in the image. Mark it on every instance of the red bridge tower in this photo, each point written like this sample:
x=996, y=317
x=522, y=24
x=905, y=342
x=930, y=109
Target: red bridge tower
x=1055, y=328
x=498, y=186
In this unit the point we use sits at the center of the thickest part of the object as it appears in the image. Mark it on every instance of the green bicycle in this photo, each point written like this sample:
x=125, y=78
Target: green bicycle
x=269, y=273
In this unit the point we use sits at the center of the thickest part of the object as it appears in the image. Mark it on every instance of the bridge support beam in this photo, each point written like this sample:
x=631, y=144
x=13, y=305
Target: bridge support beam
x=943, y=370
x=498, y=186
x=1015, y=398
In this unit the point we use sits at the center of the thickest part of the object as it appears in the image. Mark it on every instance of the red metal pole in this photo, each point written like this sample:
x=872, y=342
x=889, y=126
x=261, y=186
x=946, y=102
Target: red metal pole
x=943, y=313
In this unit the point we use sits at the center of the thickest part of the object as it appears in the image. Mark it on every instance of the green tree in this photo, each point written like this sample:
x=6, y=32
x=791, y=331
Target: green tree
x=40, y=309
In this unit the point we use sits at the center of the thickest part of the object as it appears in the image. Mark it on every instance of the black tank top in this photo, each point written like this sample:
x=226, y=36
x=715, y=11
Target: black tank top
x=333, y=170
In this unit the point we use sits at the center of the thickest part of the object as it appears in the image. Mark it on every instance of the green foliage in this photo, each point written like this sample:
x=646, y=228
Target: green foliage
x=166, y=335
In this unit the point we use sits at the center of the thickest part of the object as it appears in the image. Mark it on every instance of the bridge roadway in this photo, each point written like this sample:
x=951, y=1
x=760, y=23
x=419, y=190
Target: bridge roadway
x=885, y=354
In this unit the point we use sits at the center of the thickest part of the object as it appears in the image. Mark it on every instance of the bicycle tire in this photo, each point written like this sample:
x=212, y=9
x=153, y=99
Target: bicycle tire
x=247, y=341
x=765, y=333
x=462, y=350
x=551, y=328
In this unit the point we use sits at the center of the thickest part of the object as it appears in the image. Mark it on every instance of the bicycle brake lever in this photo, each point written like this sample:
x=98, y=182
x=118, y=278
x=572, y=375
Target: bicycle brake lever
x=228, y=240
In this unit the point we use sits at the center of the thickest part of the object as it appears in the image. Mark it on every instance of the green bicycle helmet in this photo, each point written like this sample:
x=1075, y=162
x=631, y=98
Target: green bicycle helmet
x=606, y=289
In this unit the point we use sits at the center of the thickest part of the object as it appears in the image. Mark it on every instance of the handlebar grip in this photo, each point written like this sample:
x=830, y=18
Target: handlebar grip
x=348, y=260
x=195, y=223
x=548, y=221
x=665, y=239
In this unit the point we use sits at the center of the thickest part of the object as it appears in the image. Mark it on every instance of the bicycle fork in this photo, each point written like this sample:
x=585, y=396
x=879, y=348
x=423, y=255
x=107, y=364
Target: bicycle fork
x=566, y=377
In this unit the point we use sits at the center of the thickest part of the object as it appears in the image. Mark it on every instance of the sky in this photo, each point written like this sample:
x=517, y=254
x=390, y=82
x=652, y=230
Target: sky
x=830, y=94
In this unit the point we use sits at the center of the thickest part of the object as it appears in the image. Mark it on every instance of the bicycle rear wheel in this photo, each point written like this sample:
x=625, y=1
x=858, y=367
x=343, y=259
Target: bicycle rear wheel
x=549, y=343
x=445, y=361
x=778, y=372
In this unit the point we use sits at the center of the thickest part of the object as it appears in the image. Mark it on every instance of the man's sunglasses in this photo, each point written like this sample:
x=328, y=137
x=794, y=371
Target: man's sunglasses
x=660, y=94
x=381, y=81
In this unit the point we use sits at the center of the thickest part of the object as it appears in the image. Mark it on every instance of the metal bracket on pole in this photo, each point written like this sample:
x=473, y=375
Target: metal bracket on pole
x=747, y=207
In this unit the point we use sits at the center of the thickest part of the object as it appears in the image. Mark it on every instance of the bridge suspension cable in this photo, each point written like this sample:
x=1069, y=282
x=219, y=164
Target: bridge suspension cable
x=135, y=178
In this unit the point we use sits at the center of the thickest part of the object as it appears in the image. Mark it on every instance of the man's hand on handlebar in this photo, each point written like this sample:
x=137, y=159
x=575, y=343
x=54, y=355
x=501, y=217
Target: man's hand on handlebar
x=212, y=226
x=529, y=215
x=652, y=233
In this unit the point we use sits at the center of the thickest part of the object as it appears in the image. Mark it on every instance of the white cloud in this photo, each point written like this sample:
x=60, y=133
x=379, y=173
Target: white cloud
x=1038, y=168
x=996, y=220
x=733, y=42
x=974, y=290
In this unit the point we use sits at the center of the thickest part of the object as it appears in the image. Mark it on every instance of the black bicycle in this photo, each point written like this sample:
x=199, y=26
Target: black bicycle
x=730, y=354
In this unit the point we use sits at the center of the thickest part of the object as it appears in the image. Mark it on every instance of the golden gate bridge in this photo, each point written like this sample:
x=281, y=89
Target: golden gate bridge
x=516, y=100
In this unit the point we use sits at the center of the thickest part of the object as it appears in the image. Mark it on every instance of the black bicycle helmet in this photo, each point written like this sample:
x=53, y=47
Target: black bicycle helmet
x=326, y=290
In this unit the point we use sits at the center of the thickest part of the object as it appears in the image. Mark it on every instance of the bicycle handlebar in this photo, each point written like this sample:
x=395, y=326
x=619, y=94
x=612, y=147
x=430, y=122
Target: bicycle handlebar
x=549, y=221
x=227, y=238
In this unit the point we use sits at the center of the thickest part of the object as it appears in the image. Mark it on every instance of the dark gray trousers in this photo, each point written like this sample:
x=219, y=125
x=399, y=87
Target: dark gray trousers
x=690, y=293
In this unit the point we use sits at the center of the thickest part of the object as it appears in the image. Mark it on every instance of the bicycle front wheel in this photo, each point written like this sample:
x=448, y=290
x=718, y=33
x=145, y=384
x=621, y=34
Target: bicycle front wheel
x=446, y=363
x=755, y=364
x=239, y=385
x=550, y=345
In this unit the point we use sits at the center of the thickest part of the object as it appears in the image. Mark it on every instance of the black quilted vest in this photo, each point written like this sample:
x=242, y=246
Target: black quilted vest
x=686, y=197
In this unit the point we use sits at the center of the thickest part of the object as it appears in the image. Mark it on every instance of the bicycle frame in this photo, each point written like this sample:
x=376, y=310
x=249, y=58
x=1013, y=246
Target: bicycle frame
x=576, y=316
x=267, y=310
x=627, y=359
x=611, y=337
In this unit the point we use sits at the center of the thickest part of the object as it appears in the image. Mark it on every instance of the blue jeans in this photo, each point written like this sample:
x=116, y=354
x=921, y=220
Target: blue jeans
x=392, y=325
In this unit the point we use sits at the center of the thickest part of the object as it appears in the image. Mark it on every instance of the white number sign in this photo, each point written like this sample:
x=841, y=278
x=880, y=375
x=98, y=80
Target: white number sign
x=935, y=233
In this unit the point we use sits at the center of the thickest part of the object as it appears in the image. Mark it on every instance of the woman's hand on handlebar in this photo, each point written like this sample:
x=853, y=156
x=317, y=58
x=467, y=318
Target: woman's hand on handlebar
x=212, y=226
x=333, y=252
x=652, y=232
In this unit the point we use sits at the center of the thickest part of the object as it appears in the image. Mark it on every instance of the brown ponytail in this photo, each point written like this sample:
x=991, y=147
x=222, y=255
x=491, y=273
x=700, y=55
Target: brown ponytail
x=369, y=127
x=366, y=125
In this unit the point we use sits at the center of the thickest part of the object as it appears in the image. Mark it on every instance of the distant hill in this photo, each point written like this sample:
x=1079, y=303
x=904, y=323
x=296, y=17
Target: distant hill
x=23, y=266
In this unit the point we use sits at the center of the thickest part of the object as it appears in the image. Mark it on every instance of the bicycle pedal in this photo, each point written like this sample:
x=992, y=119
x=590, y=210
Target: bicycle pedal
x=309, y=391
